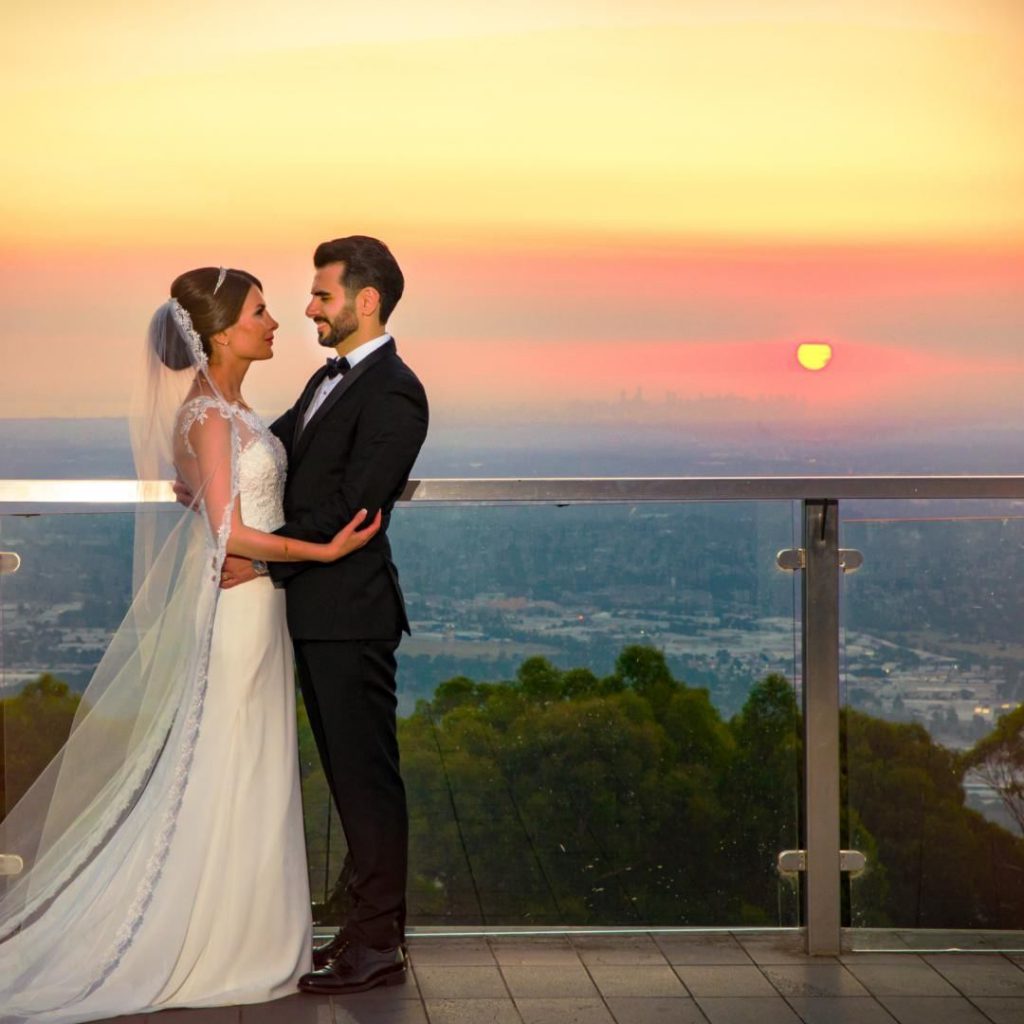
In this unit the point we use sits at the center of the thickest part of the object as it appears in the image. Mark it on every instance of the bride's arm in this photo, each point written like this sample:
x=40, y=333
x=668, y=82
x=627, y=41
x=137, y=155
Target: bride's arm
x=211, y=440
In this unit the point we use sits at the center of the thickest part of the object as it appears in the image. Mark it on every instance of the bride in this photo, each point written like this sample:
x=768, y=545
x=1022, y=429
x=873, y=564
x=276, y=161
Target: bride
x=164, y=861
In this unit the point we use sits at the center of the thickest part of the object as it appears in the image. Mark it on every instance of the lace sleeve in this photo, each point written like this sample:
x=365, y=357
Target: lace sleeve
x=211, y=439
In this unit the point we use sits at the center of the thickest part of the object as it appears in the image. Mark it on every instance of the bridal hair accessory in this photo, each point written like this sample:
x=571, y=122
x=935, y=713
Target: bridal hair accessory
x=220, y=279
x=194, y=342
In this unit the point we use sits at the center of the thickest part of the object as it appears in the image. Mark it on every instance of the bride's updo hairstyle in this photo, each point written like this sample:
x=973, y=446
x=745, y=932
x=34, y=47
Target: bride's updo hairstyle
x=211, y=309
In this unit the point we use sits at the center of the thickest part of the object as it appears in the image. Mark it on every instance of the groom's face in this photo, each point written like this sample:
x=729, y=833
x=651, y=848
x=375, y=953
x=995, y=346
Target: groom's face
x=331, y=309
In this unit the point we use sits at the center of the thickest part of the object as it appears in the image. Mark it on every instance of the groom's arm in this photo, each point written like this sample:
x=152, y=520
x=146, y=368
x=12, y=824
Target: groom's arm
x=390, y=434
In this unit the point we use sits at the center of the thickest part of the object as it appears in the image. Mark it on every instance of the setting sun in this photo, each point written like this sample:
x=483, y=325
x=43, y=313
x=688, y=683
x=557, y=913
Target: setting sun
x=814, y=355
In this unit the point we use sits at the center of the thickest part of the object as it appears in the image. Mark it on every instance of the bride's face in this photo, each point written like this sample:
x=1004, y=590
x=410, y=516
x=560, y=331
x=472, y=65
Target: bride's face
x=251, y=337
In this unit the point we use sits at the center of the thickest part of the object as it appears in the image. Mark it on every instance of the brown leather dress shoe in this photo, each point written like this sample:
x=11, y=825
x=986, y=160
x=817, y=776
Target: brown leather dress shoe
x=356, y=968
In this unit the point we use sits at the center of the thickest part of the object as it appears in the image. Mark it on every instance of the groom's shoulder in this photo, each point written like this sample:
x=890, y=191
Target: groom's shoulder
x=399, y=371
x=405, y=377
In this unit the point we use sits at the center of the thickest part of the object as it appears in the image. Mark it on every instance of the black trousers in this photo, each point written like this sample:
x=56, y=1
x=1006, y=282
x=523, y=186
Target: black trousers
x=349, y=690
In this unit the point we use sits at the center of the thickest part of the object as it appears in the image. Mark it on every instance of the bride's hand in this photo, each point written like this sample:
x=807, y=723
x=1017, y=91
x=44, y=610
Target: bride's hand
x=182, y=494
x=350, y=538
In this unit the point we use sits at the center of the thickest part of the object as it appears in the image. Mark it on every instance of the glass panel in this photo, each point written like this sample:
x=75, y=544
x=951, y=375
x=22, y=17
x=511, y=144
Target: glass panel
x=934, y=684
x=58, y=613
x=597, y=713
x=598, y=718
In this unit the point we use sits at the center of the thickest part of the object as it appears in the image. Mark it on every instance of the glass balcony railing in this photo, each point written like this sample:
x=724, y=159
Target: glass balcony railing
x=642, y=703
x=932, y=661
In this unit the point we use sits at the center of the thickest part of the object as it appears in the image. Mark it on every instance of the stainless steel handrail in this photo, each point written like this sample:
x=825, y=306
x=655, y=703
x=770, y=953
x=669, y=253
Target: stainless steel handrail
x=31, y=496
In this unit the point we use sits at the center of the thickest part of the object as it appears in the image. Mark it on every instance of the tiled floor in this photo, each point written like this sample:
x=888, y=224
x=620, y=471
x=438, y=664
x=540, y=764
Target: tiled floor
x=669, y=978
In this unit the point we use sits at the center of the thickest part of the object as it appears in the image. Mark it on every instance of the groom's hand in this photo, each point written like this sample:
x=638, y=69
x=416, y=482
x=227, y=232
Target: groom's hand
x=235, y=570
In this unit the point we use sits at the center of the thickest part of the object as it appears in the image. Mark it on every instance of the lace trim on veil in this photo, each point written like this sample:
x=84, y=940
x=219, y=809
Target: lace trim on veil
x=193, y=411
x=148, y=758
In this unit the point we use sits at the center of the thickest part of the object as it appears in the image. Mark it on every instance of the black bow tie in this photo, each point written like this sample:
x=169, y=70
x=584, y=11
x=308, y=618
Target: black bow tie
x=336, y=366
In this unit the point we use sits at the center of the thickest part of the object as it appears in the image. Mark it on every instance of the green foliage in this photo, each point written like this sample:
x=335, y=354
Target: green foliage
x=761, y=788
x=944, y=865
x=564, y=797
x=33, y=725
x=998, y=759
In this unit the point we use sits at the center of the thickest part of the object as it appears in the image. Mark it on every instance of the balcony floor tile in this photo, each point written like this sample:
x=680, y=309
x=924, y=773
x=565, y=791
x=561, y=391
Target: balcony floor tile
x=749, y=1010
x=979, y=974
x=703, y=948
x=861, y=957
x=377, y=1006
x=933, y=1010
x=839, y=1010
x=452, y=952
x=1000, y=1009
x=813, y=980
x=550, y=982
x=541, y=952
x=777, y=948
x=564, y=1011
x=296, y=1009
x=655, y=1010
x=725, y=981
x=472, y=1011
x=914, y=979
x=460, y=982
x=623, y=949
x=936, y=940
x=351, y=1012
x=637, y=980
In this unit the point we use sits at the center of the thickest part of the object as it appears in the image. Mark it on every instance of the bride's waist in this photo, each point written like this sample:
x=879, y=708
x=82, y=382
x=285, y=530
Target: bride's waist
x=265, y=523
x=260, y=588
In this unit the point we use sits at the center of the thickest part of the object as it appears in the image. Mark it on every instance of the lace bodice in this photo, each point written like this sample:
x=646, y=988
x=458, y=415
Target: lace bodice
x=262, y=471
x=261, y=460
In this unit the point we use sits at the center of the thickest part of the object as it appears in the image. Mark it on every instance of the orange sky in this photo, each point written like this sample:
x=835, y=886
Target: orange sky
x=586, y=199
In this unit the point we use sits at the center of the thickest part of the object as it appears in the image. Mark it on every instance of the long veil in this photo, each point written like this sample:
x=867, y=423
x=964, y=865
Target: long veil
x=123, y=770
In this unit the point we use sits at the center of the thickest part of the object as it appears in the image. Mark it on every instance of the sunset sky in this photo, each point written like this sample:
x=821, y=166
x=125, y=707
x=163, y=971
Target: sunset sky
x=588, y=198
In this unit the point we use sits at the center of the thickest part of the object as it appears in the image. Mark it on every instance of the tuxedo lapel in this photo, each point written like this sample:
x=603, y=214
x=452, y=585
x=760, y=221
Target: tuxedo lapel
x=307, y=397
x=350, y=378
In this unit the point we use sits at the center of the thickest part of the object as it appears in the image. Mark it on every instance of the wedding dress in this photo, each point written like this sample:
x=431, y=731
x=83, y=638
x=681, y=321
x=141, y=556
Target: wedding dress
x=171, y=872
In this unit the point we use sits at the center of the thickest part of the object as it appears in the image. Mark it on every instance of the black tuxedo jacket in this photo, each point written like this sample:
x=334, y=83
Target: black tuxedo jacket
x=357, y=452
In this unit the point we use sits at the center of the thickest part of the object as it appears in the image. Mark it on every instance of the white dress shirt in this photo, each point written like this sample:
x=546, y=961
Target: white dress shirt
x=328, y=384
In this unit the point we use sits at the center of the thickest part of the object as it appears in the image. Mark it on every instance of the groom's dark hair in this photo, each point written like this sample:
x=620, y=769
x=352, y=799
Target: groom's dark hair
x=368, y=264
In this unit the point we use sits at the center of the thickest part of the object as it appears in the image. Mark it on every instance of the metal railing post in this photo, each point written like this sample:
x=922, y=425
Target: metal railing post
x=821, y=726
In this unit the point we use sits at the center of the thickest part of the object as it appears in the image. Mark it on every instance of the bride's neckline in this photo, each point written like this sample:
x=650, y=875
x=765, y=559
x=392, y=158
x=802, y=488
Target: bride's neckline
x=239, y=404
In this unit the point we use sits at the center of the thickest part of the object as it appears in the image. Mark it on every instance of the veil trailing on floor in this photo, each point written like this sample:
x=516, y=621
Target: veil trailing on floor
x=99, y=819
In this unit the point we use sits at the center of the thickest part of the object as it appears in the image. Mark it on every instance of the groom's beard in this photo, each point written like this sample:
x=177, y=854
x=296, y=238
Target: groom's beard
x=343, y=326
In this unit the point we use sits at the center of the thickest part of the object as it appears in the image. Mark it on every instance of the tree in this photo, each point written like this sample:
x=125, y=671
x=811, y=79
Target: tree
x=33, y=726
x=998, y=760
x=761, y=786
x=564, y=797
x=561, y=797
x=945, y=866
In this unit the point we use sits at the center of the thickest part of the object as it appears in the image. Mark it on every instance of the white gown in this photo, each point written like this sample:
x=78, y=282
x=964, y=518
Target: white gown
x=228, y=919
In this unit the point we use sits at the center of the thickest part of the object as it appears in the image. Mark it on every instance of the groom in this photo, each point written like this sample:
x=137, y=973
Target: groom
x=352, y=439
